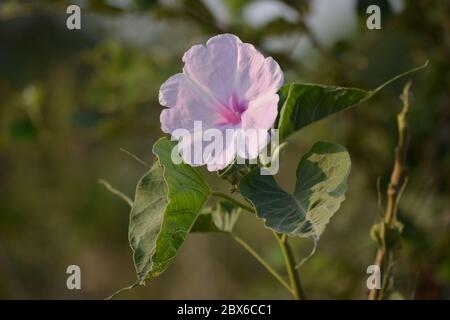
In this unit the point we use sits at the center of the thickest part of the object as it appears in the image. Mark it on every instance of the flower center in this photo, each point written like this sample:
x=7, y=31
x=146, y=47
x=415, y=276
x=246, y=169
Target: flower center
x=232, y=113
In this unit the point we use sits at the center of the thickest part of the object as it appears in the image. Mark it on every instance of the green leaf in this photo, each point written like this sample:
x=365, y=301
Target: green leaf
x=302, y=104
x=387, y=236
x=321, y=185
x=220, y=218
x=167, y=202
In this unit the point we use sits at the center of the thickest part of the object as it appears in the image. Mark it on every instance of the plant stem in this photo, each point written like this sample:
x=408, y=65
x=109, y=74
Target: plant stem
x=247, y=247
x=135, y=157
x=231, y=199
x=134, y=285
x=393, y=192
x=116, y=192
x=289, y=260
x=295, y=287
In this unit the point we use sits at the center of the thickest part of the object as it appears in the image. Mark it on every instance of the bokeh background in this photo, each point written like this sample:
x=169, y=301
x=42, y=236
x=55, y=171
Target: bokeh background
x=69, y=100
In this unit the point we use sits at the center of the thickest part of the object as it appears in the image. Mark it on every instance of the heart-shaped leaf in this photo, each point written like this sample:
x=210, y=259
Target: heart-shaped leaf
x=167, y=202
x=301, y=103
x=321, y=185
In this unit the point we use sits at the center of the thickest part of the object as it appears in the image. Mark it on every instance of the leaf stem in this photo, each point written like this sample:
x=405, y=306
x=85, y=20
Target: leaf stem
x=116, y=192
x=135, y=157
x=289, y=259
x=401, y=75
x=247, y=247
x=231, y=199
x=134, y=285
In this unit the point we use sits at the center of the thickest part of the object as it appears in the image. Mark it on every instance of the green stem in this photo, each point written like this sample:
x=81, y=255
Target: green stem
x=134, y=285
x=289, y=260
x=116, y=192
x=247, y=247
x=231, y=199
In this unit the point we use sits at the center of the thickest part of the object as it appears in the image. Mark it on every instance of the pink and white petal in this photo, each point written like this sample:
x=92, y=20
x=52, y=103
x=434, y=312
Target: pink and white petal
x=250, y=142
x=261, y=113
x=186, y=103
x=214, y=66
x=190, y=147
x=221, y=152
x=195, y=149
x=227, y=68
x=224, y=156
x=257, y=75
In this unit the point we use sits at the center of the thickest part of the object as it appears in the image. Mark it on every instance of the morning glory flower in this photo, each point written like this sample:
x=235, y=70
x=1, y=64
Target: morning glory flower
x=229, y=88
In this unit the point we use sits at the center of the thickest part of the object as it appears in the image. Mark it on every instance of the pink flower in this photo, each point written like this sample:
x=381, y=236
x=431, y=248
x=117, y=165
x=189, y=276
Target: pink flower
x=226, y=85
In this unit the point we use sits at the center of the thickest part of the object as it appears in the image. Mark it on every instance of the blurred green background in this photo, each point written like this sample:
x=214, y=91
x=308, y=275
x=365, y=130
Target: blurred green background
x=69, y=100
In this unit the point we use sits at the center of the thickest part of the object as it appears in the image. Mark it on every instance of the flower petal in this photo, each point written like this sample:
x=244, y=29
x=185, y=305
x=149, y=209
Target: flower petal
x=261, y=113
x=214, y=67
x=257, y=75
x=227, y=67
x=197, y=150
x=186, y=103
x=250, y=142
x=190, y=148
x=225, y=155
